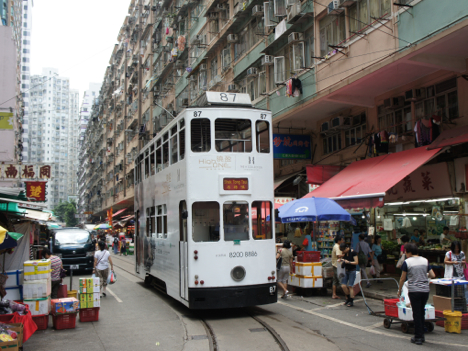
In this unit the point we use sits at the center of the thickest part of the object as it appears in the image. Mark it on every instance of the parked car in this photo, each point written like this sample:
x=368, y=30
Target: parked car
x=75, y=248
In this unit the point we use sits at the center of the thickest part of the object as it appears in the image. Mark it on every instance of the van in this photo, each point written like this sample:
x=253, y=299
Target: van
x=74, y=246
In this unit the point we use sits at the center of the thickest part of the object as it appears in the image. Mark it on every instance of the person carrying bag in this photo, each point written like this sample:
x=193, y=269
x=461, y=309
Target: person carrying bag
x=101, y=266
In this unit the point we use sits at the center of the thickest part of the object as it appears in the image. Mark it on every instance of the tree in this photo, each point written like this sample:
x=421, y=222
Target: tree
x=66, y=211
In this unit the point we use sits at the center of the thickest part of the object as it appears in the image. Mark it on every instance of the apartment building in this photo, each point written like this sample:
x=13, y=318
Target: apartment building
x=25, y=71
x=53, y=131
x=342, y=72
x=11, y=102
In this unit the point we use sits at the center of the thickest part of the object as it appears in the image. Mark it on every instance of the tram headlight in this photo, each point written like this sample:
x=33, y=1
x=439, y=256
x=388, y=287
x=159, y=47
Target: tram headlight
x=238, y=273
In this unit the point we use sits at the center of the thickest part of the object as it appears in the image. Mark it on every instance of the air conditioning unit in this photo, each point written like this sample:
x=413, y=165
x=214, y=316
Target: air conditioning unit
x=203, y=67
x=232, y=38
x=213, y=15
x=334, y=8
x=268, y=60
x=257, y=11
x=324, y=128
x=196, y=39
x=252, y=72
x=221, y=7
x=203, y=39
x=185, y=102
x=295, y=37
x=415, y=94
x=233, y=88
x=394, y=103
x=294, y=12
x=346, y=3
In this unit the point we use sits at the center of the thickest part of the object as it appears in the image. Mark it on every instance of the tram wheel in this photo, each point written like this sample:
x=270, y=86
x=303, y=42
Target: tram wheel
x=387, y=323
x=405, y=328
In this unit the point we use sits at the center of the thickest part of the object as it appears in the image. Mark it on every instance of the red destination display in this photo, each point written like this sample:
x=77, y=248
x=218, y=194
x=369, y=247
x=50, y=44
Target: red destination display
x=235, y=184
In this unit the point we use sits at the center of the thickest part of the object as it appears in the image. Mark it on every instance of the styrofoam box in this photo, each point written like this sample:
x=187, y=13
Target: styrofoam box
x=309, y=269
x=36, y=289
x=306, y=281
x=15, y=278
x=14, y=293
x=406, y=313
x=37, y=269
x=38, y=306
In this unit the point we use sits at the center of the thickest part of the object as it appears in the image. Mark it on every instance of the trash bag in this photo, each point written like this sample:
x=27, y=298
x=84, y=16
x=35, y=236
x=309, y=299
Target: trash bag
x=111, y=278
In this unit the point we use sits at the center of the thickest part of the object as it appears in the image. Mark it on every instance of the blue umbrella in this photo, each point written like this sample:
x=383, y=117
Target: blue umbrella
x=313, y=209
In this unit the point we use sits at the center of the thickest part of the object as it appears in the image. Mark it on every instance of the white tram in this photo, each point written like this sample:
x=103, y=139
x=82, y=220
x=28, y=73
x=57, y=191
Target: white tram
x=204, y=214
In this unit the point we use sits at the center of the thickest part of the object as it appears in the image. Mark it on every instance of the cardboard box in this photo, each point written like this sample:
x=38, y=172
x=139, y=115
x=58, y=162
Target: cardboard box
x=313, y=269
x=9, y=346
x=83, y=304
x=38, y=306
x=442, y=303
x=96, y=297
x=96, y=285
x=65, y=305
x=97, y=303
x=90, y=303
x=83, y=282
x=89, y=297
x=18, y=328
x=36, y=289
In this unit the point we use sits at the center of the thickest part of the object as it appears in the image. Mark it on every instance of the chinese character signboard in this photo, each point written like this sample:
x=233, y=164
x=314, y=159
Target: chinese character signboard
x=287, y=146
x=235, y=184
x=25, y=171
x=36, y=190
x=427, y=182
x=6, y=120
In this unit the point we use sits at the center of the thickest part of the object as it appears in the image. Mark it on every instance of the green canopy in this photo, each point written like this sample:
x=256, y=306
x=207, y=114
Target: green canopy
x=16, y=236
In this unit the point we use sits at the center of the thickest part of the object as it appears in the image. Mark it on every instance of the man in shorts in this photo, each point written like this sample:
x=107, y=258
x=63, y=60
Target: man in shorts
x=350, y=260
x=336, y=254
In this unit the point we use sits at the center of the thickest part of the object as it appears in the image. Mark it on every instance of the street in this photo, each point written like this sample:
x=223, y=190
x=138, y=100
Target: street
x=136, y=317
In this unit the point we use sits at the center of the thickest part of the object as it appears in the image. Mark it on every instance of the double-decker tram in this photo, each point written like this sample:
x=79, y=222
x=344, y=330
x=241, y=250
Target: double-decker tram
x=204, y=215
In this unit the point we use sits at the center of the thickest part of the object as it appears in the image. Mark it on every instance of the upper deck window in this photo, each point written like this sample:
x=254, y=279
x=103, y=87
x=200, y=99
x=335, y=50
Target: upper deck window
x=233, y=135
x=263, y=136
x=200, y=135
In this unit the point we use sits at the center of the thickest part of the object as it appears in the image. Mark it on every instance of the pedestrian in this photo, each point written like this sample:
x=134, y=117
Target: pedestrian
x=350, y=261
x=286, y=266
x=377, y=250
x=116, y=245
x=363, y=249
x=123, y=246
x=455, y=262
x=404, y=239
x=101, y=266
x=416, y=269
x=56, y=266
x=93, y=242
x=336, y=254
x=415, y=238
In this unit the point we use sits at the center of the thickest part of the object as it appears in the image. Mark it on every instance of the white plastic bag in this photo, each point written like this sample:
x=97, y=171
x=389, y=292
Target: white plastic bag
x=372, y=270
x=111, y=278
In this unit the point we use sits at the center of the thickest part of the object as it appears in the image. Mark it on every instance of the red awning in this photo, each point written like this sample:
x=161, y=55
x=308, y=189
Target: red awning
x=371, y=178
x=120, y=211
x=450, y=137
x=319, y=174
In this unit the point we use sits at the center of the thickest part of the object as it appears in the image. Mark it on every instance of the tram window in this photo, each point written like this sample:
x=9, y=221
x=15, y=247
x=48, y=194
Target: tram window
x=165, y=150
x=161, y=221
x=182, y=143
x=233, y=135
x=152, y=161
x=205, y=221
x=200, y=136
x=159, y=157
x=263, y=136
x=262, y=214
x=236, y=220
x=174, y=148
x=147, y=164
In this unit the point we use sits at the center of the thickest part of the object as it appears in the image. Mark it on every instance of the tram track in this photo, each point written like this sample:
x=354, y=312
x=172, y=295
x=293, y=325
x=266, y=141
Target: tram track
x=210, y=326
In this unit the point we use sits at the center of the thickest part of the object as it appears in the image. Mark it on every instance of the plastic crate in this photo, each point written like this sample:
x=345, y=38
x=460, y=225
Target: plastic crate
x=42, y=321
x=391, y=308
x=89, y=314
x=446, y=290
x=64, y=321
x=308, y=256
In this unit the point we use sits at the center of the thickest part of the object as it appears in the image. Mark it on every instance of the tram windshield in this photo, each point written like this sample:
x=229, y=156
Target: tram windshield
x=236, y=220
x=233, y=135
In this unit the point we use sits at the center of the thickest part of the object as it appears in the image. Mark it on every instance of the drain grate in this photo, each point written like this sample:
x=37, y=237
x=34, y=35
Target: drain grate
x=257, y=330
x=199, y=337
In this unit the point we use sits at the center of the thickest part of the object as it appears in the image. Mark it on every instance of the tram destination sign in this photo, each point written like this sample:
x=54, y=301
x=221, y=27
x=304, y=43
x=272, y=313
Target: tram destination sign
x=235, y=184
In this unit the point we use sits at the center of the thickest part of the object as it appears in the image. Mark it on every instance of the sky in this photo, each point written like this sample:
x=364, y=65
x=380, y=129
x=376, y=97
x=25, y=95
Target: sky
x=77, y=37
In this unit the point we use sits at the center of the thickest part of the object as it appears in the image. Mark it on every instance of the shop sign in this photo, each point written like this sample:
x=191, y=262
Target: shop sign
x=6, y=120
x=25, y=171
x=286, y=146
x=283, y=200
x=430, y=181
x=36, y=190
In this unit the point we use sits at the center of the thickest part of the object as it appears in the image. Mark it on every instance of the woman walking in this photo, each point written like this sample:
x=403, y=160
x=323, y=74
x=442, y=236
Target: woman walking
x=123, y=246
x=101, y=266
x=286, y=266
x=377, y=250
